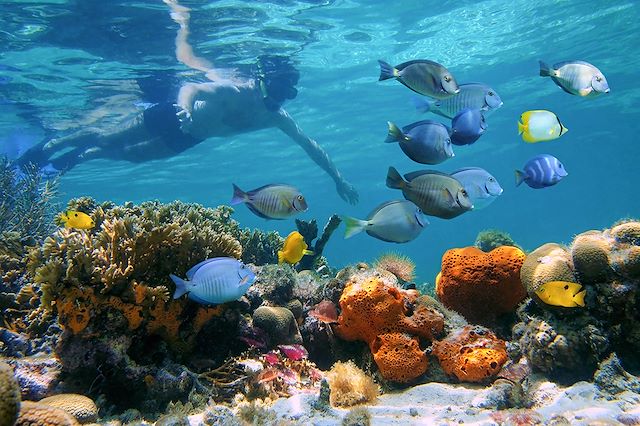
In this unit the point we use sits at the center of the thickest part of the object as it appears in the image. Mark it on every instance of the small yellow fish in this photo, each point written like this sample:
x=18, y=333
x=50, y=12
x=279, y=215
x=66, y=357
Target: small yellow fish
x=293, y=249
x=562, y=293
x=76, y=220
x=540, y=125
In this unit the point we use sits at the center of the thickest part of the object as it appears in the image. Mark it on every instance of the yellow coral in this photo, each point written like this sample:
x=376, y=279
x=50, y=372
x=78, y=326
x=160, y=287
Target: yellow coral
x=82, y=408
x=350, y=386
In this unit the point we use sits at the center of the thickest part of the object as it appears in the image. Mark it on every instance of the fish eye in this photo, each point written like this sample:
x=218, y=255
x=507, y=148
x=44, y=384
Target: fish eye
x=491, y=179
x=560, y=166
x=598, y=78
x=490, y=93
x=447, y=78
x=300, y=197
x=464, y=192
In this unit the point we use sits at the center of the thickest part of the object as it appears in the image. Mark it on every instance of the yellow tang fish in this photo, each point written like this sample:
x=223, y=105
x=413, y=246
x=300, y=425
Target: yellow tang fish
x=76, y=220
x=562, y=293
x=293, y=249
x=540, y=125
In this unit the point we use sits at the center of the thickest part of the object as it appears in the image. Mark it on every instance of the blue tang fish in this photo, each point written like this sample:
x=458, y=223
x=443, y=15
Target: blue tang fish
x=425, y=141
x=397, y=221
x=467, y=126
x=214, y=281
x=541, y=171
x=472, y=95
x=273, y=201
x=480, y=185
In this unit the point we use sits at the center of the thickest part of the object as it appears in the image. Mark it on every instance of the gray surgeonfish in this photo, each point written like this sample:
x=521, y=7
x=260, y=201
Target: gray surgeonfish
x=426, y=141
x=273, y=201
x=472, y=95
x=397, y=221
x=576, y=77
x=436, y=193
x=426, y=77
x=481, y=186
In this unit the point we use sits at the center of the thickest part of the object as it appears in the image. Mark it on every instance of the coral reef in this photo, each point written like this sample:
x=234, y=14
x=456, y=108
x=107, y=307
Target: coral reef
x=399, y=265
x=350, y=386
x=39, y=376
x=9, y=396
x=490, y=239
x=473, y=354
x=358, y=416
x=309, y=231
x=274, y=285
x=481, y=286
x=390, y=321
x=279, y=323
x=33, y=413
x=82, y=408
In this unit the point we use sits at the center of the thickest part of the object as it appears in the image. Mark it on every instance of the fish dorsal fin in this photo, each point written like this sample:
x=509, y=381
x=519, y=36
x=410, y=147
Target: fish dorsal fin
x=411, y=126
x=411, y=176
x=404, y=65
x=191, y=272
x=382, y=206
x=467, y=169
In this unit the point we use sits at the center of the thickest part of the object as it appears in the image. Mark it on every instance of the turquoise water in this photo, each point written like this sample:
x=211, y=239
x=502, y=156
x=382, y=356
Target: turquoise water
x=68, y=64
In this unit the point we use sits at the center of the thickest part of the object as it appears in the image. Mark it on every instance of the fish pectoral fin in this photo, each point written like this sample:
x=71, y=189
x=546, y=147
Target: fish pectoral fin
x=585, y=92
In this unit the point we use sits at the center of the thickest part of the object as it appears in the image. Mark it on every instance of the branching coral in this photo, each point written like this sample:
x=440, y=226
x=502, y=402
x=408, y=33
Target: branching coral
x=309, y=231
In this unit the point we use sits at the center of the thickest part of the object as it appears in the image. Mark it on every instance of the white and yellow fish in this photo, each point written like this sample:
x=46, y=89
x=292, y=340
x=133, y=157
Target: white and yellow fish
x=540, y=125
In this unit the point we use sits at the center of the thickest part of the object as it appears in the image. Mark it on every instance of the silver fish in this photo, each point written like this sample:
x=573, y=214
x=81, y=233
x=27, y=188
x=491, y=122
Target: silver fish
x=397, y=221
x=472, y=95
x=437, y=194
x=576, y=77
x=273, y=201
x=214, y=281
x=422, y=76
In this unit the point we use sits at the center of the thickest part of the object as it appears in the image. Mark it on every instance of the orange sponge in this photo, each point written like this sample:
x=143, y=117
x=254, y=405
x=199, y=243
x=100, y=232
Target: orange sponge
x=399, y=357
x=481, y=285
x=473, y=354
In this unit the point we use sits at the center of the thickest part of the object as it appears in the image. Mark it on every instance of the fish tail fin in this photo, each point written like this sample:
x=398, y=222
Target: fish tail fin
x=545, y=71
x=386, y=71
x=239, y=196
x=579, y=298
x=520, y=176
x=62, y=220
x=353, y=226
x=280, y=257
x=395, y=134
x=181, y=286
x=308, y=252
x=421, y=104
x=521, y=127
x=394, y=180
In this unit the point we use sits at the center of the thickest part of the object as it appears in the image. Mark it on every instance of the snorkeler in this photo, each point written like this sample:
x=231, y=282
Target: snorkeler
x=222, y=107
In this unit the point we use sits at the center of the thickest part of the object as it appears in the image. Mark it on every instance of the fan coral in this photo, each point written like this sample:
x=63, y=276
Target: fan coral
x=473, y=354
x=399, y=265
x=479, y=285
x=79, y=406
x=372, y=308
x=350, y=386
x=33, y=413
x=9, y=395
x=279, y=323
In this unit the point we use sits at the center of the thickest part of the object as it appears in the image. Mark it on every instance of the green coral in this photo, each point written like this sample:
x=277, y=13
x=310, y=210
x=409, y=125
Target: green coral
x=490, y=239
x=9, y=395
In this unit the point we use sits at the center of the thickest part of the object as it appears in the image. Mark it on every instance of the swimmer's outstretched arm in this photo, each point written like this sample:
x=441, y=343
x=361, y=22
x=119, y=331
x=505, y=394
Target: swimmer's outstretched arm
x=317, y=154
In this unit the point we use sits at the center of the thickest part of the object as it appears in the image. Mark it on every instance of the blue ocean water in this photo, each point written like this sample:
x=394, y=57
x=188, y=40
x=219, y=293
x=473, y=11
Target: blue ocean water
x=66, y=65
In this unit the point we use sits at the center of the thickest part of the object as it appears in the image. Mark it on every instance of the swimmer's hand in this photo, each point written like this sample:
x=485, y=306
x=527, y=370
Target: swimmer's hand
x=185, y=119
x=347, y=192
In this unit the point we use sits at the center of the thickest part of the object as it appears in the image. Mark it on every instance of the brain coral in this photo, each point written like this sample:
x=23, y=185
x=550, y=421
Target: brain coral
x=79, y=406
x=279, y=323
x=480, y=285
x=391, y=322
x=473, y=354
x=549, y=262
x=9, y=395
x=36, y=414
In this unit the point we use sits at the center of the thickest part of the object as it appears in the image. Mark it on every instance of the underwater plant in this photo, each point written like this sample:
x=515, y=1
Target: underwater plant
x=350, y=386
x=490, y=239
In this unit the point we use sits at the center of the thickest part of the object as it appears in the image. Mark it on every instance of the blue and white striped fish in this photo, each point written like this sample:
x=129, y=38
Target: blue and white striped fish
x=541, y=171
x=273, y=201
x=472, y=95
x=215, y=281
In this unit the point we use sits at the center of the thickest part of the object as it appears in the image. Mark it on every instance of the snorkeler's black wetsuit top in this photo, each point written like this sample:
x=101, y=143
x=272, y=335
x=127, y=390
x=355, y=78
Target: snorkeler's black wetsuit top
x=161, y=120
